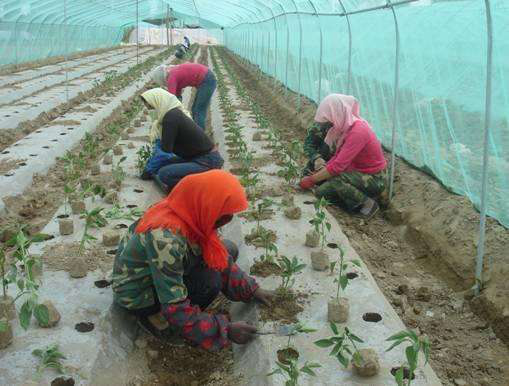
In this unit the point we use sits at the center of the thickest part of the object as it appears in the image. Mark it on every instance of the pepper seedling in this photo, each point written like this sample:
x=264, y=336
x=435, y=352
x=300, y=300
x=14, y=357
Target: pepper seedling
x=289, y=268
x=118, y=172
x=292, y=373
x=143, y=154
x=93, y=219
x=344, y=347
x=49, y=358
x=319, y=222
x=417, y=345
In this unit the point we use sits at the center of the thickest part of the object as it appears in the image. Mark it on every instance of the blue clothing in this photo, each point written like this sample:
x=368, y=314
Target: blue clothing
x=159, y=159
x=171, y=174
x=202, y=100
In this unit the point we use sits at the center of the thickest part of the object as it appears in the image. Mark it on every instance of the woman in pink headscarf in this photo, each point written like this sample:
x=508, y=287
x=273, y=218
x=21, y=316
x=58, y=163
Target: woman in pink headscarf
x=345, y=157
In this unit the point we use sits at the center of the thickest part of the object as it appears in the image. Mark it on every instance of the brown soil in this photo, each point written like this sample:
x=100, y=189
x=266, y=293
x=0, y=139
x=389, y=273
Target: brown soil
x=264, y=269
x=284, y=307
x=183, y=365
x=66, y=122
x=430, y=240
x=58, y=257
x=9, y=165
x=253, y=215
x=254, y=238
x=86, y=109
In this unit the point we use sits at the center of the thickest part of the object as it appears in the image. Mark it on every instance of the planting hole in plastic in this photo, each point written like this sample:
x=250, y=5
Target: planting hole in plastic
x=10, y=174
x=121, y=226
x=352, y=275
x=70, y=128
x=54, y=140
x=22, y=164
x=39, y=131
x=138, y=191
x=84, y=327
x=6, y=152
x=112, y=252
x=309, y=202
x=131, y=206
x=102, y=283
x=373, y=317
x=61, y=381
x=45, y=147
x=63, y=216
x=33, y=155
x=406, y=372
x=63, y=133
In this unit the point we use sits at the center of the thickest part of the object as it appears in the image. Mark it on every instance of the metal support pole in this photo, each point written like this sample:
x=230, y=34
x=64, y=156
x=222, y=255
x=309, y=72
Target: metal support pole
x=171, y=29
x=287, y=56
x=487, y=124
x=66, y=53
x=167, y=27
x=349, y=79
x=321, y=63
x=300, y=55
x=268, y=52
x=395, y=103
x=137, y=32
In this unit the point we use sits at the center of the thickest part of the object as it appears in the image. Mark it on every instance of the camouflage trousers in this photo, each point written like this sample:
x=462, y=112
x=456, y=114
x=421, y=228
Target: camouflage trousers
x=350, y=190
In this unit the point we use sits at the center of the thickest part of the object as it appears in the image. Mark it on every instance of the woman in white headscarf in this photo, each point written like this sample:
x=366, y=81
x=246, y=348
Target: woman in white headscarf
x=161, y=101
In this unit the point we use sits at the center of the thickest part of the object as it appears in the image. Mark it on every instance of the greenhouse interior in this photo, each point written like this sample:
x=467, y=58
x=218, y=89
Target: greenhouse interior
x=280, y=192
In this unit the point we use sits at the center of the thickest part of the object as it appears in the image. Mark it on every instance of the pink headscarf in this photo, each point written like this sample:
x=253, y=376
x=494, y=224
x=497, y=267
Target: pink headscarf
x=340, y=110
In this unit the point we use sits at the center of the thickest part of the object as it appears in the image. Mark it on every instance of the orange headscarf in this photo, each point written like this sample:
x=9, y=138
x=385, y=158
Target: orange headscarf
x=192, y=209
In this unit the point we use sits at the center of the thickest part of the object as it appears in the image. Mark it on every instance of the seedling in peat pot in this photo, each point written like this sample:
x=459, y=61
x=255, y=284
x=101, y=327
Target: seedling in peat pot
x=116, y=213
x=270, y=248
x=49, y=358
x=289, y=268
x=27, y=284
x=144, y=154
x=261, y=208
x=289, y=353
x=93, y=219
x=7, y=309
x=118, y=172
x=320, y=259
x=404, y=375
x=292, y=373
x=338, y=308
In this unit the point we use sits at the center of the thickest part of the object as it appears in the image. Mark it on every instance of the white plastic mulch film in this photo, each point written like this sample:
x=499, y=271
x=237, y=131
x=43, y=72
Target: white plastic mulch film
x=443, y=51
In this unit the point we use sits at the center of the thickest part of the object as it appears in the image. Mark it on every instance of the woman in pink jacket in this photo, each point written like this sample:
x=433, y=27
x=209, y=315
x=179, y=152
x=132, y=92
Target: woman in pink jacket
x=176, y=78
x=346, y=159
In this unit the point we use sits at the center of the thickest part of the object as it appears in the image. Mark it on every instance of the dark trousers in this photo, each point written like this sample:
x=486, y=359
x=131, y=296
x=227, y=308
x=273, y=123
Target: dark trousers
x=203, y=285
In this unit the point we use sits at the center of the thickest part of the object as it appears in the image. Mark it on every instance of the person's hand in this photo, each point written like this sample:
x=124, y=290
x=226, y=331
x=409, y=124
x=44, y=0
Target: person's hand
x=263, y=296
x=319, y=163
x=241, y=332
x=307, y=183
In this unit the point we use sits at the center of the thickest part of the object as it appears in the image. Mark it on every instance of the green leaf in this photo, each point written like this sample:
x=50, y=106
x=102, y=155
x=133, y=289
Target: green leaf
x=324, y=343
x=40, y=237
x=3, y=325
x=25, y=314
x=343, y=281
x=400, y=335
x=357, y=263
x=356, y=338
x=41, y=313
x=399, y=376
x=334, y=328
x=411, y=356
x=37, y=353
x=343, y=360
x=395, y=344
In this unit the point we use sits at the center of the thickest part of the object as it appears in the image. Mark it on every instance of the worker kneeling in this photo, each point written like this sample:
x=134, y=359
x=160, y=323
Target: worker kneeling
x=172, y=262
x=346, y=158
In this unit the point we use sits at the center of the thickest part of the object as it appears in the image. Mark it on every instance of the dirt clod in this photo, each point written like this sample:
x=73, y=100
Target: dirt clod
x=66, y=226
x=7, y=308
x=284, y=307
x=78, y=268
x=54, y=315
x=117, y=150
x=287, y=354
x=111, y=197
x=338, y=310
x=369, y=364
x=108, y=159
x=110, y=239
x=264, y=269
x=423, y=294
x=78, y=207
x=319, y=260
x=5, y=336
x=293, y=213
x=312, y=239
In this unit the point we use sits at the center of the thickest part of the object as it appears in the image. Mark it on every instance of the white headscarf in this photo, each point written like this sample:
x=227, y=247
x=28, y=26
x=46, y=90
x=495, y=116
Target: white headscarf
x=162, y=101
x=160, y=75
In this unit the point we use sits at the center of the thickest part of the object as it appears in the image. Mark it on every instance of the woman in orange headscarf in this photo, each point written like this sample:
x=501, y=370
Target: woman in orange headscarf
x=173, y=262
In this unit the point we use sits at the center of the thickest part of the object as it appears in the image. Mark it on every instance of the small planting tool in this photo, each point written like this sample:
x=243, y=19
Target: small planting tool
x=285, y=330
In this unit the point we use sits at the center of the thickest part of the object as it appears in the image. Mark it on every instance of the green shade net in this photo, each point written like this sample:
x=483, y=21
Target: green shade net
x=304, y=44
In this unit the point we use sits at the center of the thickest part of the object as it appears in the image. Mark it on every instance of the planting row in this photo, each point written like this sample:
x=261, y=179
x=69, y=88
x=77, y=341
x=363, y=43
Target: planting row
x=249, y=159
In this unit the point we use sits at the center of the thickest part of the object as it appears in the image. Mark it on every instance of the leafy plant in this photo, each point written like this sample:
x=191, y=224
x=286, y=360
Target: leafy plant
x=270, y=248
x=118, y=172
x=91, y=145
x=27, y=284
x=93, y=219
x=289, y=268
x=342, y=280
x=292, y=373
x=144, y=154
x=3, y=273
x=261, y=207
x=343, y=344
x=319, y=222
x=412, y=351
x=117, y=213
x=49, y=358
x=69, y=190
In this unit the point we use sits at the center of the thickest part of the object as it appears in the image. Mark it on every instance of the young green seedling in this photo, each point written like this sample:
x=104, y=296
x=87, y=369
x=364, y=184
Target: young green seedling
x=289, y=268
x=93, y=219
x=27, y=284
x=116, y=213
x=261, y=207
x=144, y=154
x=416, y=345
x=342, y=279
x=291, y=371
x=3, y=273
x=269, y=246
x=49, y=358
x=319, y=222
x=118, y=172
x=344, y=347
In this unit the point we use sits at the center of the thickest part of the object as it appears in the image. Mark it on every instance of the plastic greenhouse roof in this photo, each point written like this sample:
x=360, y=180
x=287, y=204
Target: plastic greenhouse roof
x=207, y=13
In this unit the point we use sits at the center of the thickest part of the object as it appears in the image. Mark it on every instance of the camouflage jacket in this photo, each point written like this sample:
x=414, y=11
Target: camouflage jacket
x=314, y=144
x=160, y=259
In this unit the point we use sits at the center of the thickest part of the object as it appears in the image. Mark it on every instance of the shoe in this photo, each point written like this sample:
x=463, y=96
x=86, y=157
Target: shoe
x=369, y=209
